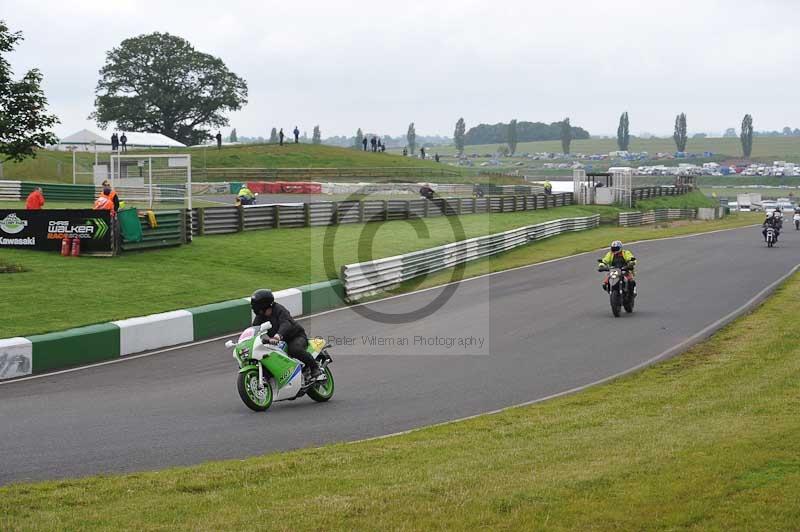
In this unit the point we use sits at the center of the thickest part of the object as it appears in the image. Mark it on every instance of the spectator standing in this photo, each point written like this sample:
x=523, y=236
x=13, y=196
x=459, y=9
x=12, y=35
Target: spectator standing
x=405, y=152
x=280, y=137
x=218, y=136
x=383, y=148
x=364, y=142
x=296, y=135
x=380, y=145
x=422, y=151
x=114, y=141
x=35, y=200
x=436, y=156
x=124, y=142
x=374, y=144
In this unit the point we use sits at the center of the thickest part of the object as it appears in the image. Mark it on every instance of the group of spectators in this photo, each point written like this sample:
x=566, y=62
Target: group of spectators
x=375, y=142
x=118, y=142
x=107, y=200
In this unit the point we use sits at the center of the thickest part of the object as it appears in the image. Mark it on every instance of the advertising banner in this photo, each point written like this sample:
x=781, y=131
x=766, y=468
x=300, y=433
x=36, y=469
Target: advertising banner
x=45, y=229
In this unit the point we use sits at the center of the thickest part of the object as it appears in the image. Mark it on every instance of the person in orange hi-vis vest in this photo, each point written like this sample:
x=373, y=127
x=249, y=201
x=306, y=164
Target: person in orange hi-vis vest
x=111, y=194
x=102, y=203
x=35, y=200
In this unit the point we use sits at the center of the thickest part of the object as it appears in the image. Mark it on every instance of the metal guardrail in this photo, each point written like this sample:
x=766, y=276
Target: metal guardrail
x=365, y=278
x=632, y=219
x=10, y=190
x=221, y=220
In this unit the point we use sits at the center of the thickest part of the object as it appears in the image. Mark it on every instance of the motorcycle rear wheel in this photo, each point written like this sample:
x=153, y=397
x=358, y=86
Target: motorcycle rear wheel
x=247, y=384
x=324, y=390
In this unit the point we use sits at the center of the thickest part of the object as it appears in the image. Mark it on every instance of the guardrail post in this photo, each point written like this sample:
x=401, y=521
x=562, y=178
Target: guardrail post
x=425, y=211
x=240, y=218
x=276, y=216
x=361, y=211
x=545, y=201
x=515, y=203
x=385, y=210
x=460, y=206
x=335, y=213
x=307, y=214
x=201, y=222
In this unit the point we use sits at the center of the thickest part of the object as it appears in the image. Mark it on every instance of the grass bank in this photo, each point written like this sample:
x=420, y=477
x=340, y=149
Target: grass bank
x=705, y=441
x=693, y=200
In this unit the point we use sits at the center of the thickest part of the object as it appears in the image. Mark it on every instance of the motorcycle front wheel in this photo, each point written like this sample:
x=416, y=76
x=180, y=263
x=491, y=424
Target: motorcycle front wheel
x=616, y=303
x=255, y=399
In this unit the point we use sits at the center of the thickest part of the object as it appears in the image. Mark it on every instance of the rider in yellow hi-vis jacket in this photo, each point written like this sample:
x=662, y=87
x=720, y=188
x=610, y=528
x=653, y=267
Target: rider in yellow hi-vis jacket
x=617, y=257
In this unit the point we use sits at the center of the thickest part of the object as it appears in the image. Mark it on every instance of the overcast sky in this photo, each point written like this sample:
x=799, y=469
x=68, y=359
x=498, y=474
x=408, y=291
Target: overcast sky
x=380, y=65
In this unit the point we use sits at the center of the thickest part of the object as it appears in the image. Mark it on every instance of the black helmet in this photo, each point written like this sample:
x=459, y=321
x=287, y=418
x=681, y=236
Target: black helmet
x=261, y=300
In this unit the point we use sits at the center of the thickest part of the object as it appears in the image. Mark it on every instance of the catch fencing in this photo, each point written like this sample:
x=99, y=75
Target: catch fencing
x=222, y=220
x=366, y=278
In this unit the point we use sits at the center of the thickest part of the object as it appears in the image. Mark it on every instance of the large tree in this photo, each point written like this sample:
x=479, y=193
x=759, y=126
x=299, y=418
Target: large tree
x=566, y=135
x=679, y=135
x=273, y=136
x=24, y=122
x=459, y=135
x=317, y=136
x=623, y=132
x=411, y=137
x=746, y=135
x=512, y=136
x=234, y=137
x=159, y=83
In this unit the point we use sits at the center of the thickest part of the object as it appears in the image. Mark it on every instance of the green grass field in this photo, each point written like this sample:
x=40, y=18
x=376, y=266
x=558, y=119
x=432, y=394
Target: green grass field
x=51, y=166
x=705, y=441
x=693, y=200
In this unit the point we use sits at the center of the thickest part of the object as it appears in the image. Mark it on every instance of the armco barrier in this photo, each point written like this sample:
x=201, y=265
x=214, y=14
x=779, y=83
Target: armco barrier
x=366, y=278
x=107, y=341
x=220, y=220
x=10, y=190
x=632, y=219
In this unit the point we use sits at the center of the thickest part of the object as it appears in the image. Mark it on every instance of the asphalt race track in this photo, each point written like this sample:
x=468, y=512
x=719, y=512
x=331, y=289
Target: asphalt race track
x=545, y=329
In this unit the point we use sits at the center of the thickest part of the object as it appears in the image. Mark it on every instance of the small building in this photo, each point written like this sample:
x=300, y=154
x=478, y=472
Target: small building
x=89, y=141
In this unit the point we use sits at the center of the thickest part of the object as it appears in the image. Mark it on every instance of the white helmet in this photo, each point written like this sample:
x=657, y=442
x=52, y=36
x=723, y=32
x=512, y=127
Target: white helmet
x=616, y=246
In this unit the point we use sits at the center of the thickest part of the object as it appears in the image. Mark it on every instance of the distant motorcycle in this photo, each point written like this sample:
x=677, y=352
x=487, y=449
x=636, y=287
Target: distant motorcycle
x=771, y=236
x=620, y=292
x=244, y=200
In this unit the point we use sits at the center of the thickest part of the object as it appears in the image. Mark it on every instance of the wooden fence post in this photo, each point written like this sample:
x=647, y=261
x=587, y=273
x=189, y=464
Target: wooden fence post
x=307, y=214
x=240, y=218
x=201, y=222
x=276, y=216
x=361, y=211
x=335, y=213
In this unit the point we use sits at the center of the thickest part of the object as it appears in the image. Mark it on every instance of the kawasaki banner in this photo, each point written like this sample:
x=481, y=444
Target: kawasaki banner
x=45, y=229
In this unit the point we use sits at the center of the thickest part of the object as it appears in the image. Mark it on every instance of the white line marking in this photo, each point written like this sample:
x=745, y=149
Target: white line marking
x=303, y=318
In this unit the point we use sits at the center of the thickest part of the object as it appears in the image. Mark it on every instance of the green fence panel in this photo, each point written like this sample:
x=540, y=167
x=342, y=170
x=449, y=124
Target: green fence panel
x=220, y=318
x=75, y=347
x=322, y=296
x=60, y=192
x=236, y=187
x=169, y=232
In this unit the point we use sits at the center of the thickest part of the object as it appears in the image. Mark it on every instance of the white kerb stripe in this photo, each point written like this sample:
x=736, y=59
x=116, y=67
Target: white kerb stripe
x=16, y=358
x=155, y=331
x=292, y=299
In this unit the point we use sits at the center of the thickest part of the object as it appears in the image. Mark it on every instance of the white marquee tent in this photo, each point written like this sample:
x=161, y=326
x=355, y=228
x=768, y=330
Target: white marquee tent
x=89, y=141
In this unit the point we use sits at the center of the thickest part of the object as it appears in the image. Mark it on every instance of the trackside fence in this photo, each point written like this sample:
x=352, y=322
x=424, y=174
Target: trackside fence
x=367, y=278
x=221, y=220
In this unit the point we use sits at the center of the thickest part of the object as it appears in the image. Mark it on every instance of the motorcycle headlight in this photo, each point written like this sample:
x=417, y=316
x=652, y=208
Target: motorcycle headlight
x=244, y=352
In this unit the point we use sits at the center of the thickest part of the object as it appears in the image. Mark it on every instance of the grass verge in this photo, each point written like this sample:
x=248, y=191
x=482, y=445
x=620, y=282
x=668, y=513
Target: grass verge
x=707, y=440
x=692, y=200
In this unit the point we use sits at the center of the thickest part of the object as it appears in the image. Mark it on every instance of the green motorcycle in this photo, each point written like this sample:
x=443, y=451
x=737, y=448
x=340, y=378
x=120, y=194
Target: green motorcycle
x=268, y=374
